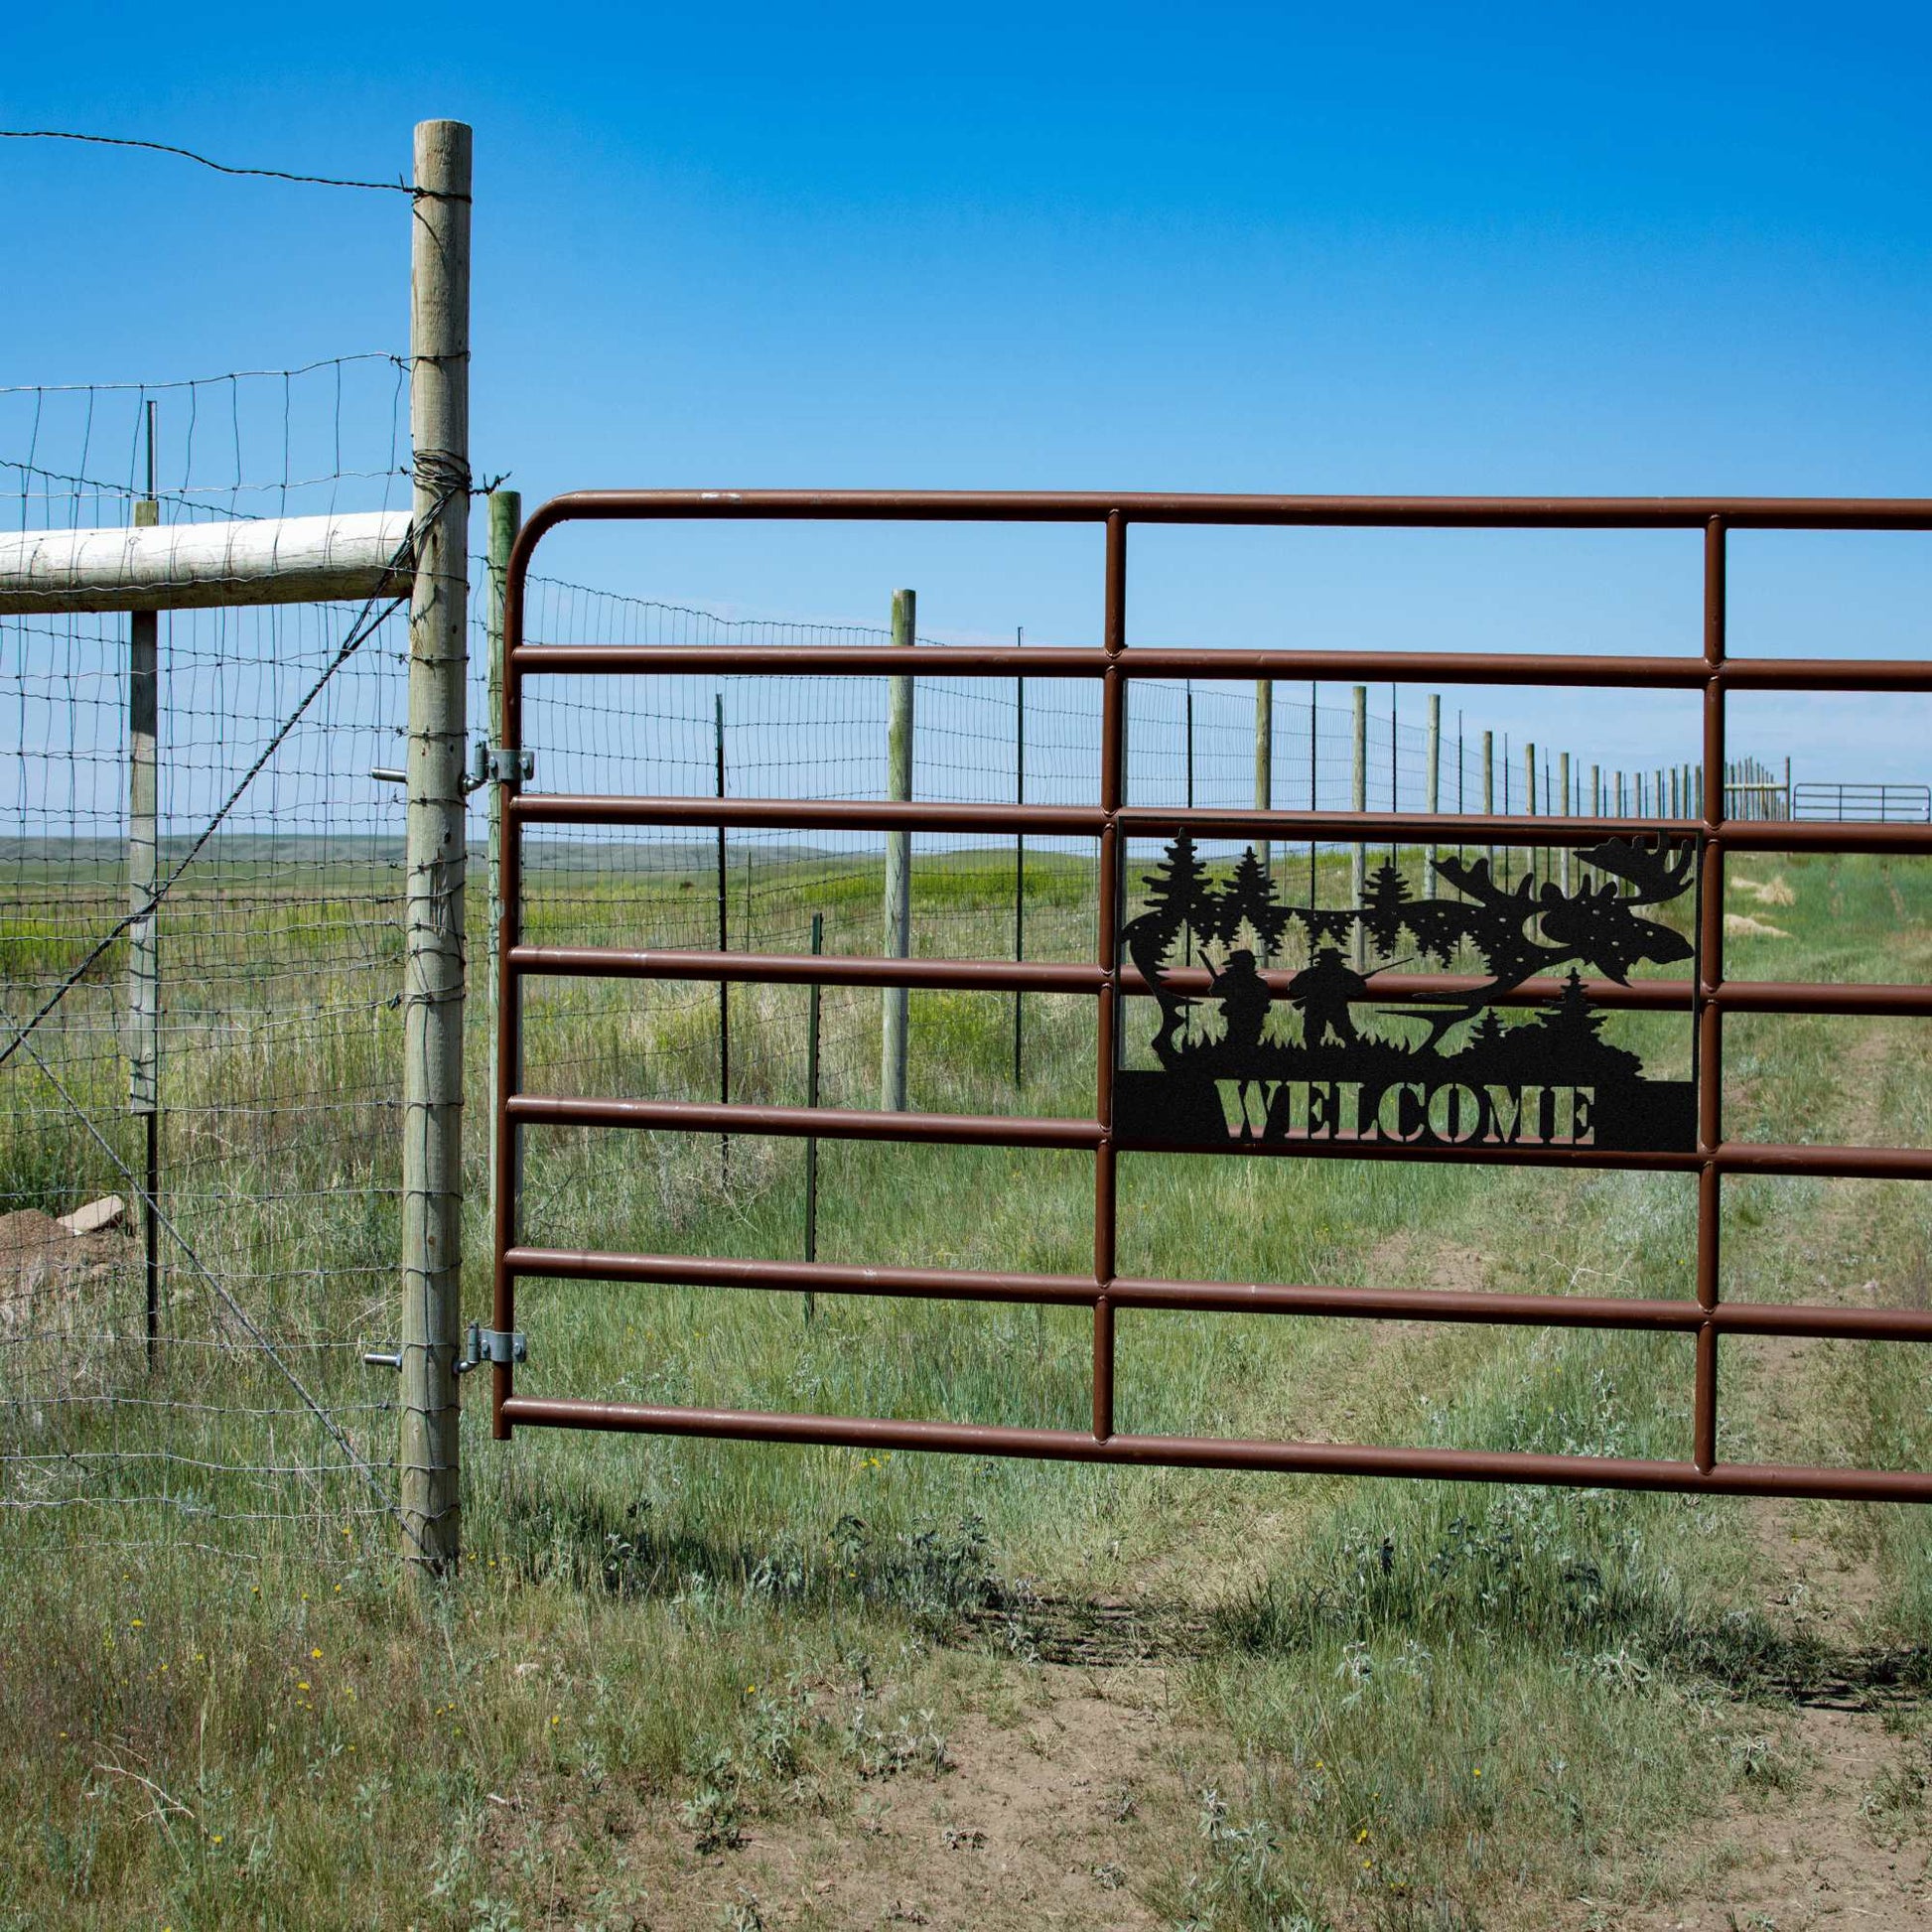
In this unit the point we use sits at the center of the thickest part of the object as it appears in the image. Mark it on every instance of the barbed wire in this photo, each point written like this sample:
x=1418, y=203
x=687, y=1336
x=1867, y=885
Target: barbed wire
x=397, y=186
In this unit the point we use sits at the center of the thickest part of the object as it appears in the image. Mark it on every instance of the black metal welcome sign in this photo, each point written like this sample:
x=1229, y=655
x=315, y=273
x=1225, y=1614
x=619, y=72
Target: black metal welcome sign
x=1318, y=1055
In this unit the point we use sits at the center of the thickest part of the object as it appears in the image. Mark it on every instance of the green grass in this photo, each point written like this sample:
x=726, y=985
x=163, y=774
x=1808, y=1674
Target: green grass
x=685, y=1636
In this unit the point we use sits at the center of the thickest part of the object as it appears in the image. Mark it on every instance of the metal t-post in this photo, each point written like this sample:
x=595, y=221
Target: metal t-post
x=1359, y=797
x=143, y=875
x=1433, y=790
x=433, y=973
x=1529, y=794
x=1562, y=786
x=1508, y=850
x=1264, y=768
x=1489, y=786
x=898, y=863
x=1314, y=791
x=1187, y=729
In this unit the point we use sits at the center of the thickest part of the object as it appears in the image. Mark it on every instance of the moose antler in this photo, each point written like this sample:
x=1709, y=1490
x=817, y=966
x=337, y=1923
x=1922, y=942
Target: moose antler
x=1476, y=881
x=1659, y=873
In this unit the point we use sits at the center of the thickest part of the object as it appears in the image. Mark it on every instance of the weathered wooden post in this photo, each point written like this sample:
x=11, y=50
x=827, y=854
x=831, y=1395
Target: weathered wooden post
x=143, y=875
x=898, y=862
x=1358, y=798
x=433, y=982
x=1433, y=791
x=505, y=519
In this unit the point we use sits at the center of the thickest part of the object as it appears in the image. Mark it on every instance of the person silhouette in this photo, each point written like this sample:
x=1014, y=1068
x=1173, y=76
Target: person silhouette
x=1244, y=998
x=1323, y=990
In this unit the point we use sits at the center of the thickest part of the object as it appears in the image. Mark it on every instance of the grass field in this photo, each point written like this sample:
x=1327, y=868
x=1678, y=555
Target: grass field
x=688, y=1684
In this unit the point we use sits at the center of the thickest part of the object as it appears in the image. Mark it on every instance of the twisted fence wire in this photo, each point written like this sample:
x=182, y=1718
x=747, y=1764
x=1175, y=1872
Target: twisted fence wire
x=279, y=965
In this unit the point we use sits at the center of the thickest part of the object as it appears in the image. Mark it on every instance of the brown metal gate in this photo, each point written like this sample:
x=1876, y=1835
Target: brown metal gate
x=1106, y=979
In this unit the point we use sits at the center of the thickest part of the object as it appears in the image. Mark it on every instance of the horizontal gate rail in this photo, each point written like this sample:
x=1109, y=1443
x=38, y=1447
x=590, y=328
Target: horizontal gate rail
x=1074, y=976
x=1208, y=666
x=1705, y=996
x=1202, y=1453
x=1147, y=821
x=1196, y=508
x=1548, y=1311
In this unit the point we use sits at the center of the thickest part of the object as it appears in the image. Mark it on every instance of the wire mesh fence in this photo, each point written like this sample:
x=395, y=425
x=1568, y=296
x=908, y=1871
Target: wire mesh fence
x=188, y=1366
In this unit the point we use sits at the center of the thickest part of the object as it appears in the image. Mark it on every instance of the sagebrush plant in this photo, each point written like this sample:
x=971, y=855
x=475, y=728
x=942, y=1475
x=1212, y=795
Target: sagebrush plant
x=1413, y=1704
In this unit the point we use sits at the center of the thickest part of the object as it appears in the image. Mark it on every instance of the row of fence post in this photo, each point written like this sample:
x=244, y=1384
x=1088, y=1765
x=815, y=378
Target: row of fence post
x=1551, y=787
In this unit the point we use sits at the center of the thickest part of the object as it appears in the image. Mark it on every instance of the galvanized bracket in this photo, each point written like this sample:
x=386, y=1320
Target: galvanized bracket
x=493, y=765
x=490, y=1347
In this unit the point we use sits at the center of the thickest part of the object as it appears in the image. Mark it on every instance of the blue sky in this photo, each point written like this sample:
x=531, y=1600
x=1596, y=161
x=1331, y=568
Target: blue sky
x=1642, y=249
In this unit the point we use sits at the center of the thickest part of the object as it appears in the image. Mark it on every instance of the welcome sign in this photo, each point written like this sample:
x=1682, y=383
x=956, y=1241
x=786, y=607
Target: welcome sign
x=1316, y=1055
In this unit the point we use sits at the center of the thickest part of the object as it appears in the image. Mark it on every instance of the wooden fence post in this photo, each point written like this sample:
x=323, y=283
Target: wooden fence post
x=433, y=982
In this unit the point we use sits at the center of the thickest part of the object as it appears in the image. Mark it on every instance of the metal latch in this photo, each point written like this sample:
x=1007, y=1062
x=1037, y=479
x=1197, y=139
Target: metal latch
x=493, y=764
x=493, y=1347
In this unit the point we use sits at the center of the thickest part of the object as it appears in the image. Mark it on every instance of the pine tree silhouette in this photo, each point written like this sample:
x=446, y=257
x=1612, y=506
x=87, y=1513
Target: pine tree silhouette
x=1385, y=900
x=1178, y=896
x=1250, y=896
x=1179, y=893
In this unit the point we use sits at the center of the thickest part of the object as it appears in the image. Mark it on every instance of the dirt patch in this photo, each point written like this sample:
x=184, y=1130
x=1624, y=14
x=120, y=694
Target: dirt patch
x=44, y=1270
x=1825, y=1856
x=1400, y=1261
x=1039, y=1821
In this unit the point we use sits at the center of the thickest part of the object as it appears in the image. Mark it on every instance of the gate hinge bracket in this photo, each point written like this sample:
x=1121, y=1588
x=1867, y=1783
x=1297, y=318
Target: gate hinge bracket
x=493, y=765
x=493, y=1347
